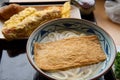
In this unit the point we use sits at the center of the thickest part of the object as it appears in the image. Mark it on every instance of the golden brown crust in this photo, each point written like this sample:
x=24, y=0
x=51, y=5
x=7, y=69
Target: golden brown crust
x=68, y=53
x=24, y=26
x=7, y=11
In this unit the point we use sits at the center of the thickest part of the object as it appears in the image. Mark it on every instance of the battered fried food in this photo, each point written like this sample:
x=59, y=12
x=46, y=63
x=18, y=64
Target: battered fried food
x=68, y=53
x=21, y=25
x=7, y=11
x=66, y=10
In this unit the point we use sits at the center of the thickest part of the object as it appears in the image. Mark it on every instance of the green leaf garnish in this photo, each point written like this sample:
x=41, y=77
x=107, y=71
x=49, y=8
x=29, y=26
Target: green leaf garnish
x=117, y=65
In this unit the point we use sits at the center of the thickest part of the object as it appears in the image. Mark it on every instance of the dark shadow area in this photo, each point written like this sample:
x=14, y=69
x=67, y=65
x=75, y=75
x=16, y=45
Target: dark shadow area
x=39, y=76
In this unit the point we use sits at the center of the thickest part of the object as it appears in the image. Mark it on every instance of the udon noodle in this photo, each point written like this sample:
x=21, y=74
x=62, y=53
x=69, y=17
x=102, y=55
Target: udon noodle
x=72, y=74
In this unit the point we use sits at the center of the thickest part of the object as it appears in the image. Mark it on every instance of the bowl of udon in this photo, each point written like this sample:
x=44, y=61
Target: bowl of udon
x=71, y=49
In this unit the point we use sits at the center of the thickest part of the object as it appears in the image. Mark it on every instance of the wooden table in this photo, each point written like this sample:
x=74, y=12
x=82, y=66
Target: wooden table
x=104, y=22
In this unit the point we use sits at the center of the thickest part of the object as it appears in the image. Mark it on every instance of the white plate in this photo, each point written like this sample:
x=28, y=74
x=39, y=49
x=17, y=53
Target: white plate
x=75, y=13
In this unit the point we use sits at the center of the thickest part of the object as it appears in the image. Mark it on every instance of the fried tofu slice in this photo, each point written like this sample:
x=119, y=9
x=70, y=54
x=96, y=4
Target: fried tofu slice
x=68, y=53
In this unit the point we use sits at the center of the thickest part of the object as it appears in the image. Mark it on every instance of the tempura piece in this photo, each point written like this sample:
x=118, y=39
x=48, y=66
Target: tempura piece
x=21, y=25
x=66, y=10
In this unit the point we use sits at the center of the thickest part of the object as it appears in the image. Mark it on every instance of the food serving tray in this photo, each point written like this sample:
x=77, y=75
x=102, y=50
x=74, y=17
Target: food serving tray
x=14, y=64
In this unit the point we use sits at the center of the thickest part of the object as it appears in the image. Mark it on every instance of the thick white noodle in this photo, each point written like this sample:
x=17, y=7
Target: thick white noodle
x=68, y=34
x=72, y=74
x=60, y=75
x=85, y=73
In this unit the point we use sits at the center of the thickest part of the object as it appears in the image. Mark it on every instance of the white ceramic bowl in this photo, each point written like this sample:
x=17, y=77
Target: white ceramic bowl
x=105, y=39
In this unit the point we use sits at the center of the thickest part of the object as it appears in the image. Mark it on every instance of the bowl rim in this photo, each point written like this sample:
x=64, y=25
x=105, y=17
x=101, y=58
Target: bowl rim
x=54, y=20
